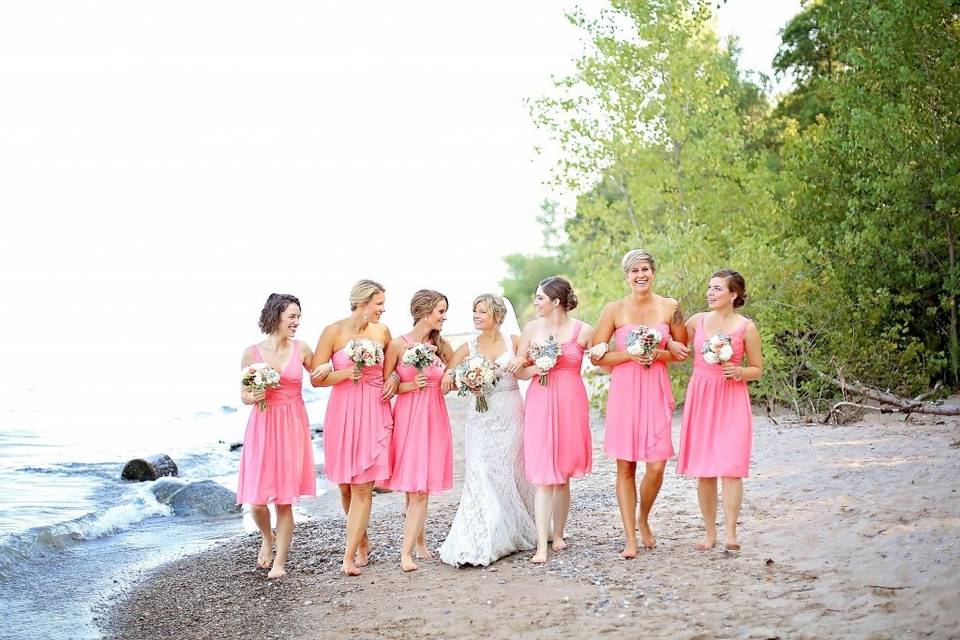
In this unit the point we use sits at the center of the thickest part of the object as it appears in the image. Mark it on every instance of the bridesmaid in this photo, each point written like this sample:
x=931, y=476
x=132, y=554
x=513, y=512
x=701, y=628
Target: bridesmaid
x=640, y=402
x=717, y=432
x=358, y=425
x=556, y=424
x=422, y=451
x=277, y=460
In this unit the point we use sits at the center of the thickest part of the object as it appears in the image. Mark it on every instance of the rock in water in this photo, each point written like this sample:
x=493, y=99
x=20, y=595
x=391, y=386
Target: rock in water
x=149, y=468
x=204, y=498
x=165, y=487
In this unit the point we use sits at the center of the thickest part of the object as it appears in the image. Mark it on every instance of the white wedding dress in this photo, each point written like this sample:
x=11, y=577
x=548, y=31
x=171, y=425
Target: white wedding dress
x=495, y=515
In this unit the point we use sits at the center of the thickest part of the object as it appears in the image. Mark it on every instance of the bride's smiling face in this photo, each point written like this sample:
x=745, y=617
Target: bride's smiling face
x=482, y=318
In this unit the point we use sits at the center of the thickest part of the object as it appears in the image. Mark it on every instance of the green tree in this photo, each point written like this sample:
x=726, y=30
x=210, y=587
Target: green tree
x=874, y=187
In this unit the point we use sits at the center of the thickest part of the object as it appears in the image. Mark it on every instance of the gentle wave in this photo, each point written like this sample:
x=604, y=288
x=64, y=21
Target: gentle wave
x=24, y=547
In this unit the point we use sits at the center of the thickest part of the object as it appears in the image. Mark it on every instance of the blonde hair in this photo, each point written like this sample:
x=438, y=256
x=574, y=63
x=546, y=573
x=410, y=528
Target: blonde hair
x=634, y=256
x=363, y=292
x=422, y=304
x=494, y=304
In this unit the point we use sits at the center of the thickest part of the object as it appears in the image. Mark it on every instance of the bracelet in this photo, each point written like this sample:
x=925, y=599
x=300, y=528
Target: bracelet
x=394, y=376
x=739, y=376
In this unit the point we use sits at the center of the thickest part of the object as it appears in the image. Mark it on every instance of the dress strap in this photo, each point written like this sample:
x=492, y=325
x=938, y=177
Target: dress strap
x=472, y=346
x=576, y=331
x=256, y=353
x=404, y=338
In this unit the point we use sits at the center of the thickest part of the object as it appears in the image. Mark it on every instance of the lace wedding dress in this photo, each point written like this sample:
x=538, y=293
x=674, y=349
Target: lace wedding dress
x=494, y=518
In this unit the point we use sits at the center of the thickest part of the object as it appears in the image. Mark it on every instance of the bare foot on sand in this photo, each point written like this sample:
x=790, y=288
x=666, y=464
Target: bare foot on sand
x=350, y=569
x=629, y=549
x=265, y=557
x=423, y=553
x=706, y=543
x=731, y=544
x=363, y=553
x=646, y=536
x=407, y=563
x=539, y=557
x=276, y=572
x=559, y=544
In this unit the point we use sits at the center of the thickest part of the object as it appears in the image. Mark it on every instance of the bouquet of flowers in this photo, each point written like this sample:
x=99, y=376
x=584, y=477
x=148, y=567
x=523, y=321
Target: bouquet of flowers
x=260, y=376
x=544, y=356
x=476, y=373
x=419, y=356
x=363, y=352
x=717, y=349
x=642, y=341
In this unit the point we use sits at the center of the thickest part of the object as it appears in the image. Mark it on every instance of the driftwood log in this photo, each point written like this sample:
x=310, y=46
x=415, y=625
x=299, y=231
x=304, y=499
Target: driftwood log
x=899, y=404
x=149, y=468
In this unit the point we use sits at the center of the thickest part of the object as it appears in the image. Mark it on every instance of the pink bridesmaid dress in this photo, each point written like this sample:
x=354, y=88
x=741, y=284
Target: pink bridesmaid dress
x=556, y=421
x=639, y=406
x=717, y=432
x=357, y=427
x=277, y=460
x=422, y=448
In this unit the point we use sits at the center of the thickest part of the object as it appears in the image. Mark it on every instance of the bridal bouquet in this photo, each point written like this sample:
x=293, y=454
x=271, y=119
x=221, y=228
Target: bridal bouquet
x=544, y=356
x=363, y=352
x=260, y=376
x=642, y=341
x=419, y=356
x=476, y=374
x=717, y=349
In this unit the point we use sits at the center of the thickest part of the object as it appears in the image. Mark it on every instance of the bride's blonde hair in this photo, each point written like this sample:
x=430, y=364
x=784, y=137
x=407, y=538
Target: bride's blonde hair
x=494, y=304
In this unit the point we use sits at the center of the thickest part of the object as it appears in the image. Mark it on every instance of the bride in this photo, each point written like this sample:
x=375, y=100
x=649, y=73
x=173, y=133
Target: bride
x=494, y=518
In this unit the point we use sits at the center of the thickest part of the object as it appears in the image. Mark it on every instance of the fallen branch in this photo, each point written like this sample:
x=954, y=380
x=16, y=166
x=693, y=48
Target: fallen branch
x=840, y=405
x=903, y=405
x=880, y=586
x=769, y=597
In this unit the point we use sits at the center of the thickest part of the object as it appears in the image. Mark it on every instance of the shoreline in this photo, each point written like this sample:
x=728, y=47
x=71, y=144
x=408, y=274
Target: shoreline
x=849, y=531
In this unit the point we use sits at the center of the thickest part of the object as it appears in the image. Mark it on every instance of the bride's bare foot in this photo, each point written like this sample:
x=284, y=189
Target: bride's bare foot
x=559, y=544
x=646, y=536
x=629, y=549
x=349, y=568
x=706, y=543
x=277, y=572
x=539, y=557
x=407, y=563
x=423, y=553
x=265, y=557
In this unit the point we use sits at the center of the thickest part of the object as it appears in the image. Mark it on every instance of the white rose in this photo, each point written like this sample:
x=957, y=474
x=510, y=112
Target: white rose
x=726, y=352
x=543, y=362
x=634, y=349
x=710, y=358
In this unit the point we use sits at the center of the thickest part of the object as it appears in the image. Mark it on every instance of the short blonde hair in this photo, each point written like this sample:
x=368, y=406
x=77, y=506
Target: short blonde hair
x=363, y=292
x=634, y=256
x=494, y=304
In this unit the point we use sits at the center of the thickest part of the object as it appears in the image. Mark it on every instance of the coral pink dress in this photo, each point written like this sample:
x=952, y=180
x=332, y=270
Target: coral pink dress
x=422, y=448
x=277, y=460
x=717, y=432
x=556, y=421
x=639, y=406
x=357, y=427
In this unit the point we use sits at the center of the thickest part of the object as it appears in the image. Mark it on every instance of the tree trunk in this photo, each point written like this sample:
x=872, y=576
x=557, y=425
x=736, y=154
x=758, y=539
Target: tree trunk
x=149, y=468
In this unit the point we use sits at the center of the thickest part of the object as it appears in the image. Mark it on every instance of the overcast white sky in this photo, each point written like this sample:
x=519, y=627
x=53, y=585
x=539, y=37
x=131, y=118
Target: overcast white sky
x=165, y=166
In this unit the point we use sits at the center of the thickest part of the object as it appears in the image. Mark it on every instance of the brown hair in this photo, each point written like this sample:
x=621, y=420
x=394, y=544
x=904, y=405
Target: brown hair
x=276, y=304
x=422, y=304
x=735, y=283
x=494, y=305
x=634, y=256
x=557, y=288
x=363, y=292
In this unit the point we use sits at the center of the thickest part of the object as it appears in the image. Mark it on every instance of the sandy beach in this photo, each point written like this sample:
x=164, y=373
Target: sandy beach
x=847, y=532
